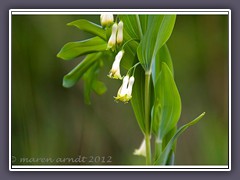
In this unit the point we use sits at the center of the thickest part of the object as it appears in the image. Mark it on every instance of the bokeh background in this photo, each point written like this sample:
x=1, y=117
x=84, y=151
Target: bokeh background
x=51, y=121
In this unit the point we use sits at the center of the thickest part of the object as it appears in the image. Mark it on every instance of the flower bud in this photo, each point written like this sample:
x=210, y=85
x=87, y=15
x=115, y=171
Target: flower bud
x=123, y=89
x=115, y=71
x=106, y=19
x=120, y=33
x=112, y=39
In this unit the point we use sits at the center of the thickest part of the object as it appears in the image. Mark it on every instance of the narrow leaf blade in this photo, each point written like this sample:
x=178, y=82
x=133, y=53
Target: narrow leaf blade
x=167, y=103
x=89, y=77
x=163, y=55
x=159, y=31
x=72, y=77
x=138, y=97
x=74, y=49
x=164, y=156
x=90, y=27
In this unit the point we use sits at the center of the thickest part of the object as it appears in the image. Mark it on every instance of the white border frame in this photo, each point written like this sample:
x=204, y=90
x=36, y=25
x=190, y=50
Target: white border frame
x=116, y=167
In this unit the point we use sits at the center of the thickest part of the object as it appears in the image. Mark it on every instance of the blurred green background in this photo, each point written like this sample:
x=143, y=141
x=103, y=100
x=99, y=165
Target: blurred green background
x=51, y=121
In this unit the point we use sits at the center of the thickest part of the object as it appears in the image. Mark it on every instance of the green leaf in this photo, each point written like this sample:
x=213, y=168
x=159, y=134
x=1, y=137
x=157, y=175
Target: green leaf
x=89, y=77
x=130, y=56
x=144, y=22
x=90, y=27
x=160, y=145
x=130, y=25
x=171, y=158
x=91, y=83
x=74, y=49
x=169, y=136
x=99, y=87
x=162, y=160
x=159, y=30
x=138, y=97
x=165, y=141
x=167, y=105
x=163, y=55
x=72, y=77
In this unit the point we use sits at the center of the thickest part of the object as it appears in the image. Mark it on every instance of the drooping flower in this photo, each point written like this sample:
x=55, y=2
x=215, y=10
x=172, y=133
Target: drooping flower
x=142, y=149
x=130, y=86
x=120, y=33
x=122, y=92
x=115, y=71
x=112, y=39
x=125, y=91
x=106, y=19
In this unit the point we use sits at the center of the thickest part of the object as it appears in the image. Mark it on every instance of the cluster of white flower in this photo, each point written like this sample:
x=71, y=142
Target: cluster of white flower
x=116, y=37
x=125, y=91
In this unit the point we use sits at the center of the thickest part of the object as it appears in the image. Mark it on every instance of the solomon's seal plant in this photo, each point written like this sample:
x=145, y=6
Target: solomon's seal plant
x=136, y=43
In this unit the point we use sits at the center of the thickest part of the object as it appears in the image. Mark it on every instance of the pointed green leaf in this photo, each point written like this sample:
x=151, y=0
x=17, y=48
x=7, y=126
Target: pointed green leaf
x=91, y=83
x=169, y=136
x=167, y=105
x=166, y=139
x=163, y=55
x=72, y=77
x=138, y=97
x=89, y=77
x=131, y=25
x=90, y=27
x=159, y=30
x=164, y=156
x=74, y=49
x=160, y=145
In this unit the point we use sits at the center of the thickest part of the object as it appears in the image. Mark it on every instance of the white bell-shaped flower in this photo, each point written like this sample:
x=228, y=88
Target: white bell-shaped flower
x=125, y=92
x=106, y=19
x=142, y=149
x=130, y=86
x=122, y=92
x=112, y=39
x=115, y=71
x=120, y=33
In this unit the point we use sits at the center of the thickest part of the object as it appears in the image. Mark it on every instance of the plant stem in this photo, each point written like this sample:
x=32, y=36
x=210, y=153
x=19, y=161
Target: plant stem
x=147, y=118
